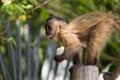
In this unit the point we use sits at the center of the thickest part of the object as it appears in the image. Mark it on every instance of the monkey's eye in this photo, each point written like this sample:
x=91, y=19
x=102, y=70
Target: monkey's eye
x=48, y=28
x=60, y=26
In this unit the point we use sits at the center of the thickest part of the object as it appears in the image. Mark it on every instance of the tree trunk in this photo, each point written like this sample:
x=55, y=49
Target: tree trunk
x=87, y=72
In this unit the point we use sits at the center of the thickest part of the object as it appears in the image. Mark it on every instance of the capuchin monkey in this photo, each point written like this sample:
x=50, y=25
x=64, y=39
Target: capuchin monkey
x=91, y=29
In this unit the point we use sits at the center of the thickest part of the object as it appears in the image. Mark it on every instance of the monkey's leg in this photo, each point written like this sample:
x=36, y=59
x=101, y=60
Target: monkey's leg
x=77, y=59
x=96, y=42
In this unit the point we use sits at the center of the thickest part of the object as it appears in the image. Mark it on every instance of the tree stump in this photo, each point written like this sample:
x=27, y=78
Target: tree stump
x=84, y=72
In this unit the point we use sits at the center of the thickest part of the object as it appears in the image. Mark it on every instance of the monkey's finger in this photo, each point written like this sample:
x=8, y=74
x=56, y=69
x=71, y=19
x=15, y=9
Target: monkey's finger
x=58, y=58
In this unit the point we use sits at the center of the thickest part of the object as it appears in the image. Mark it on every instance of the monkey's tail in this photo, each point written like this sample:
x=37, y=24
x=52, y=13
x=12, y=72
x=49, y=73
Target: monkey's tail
x=116, y=23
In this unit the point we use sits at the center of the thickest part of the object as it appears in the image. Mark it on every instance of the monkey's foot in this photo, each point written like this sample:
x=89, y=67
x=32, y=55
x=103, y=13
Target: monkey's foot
x=107, y=76
x=92, y=62
x=75, y=66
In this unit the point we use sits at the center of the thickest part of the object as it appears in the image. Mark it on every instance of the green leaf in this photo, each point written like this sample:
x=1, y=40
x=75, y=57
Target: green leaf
x=29, y=6
x=19, y=8
x=43, y=14
x=11, y=39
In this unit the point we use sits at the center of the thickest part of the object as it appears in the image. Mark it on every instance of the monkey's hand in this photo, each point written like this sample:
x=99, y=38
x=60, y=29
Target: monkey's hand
x=58, y=56
x=68, y=53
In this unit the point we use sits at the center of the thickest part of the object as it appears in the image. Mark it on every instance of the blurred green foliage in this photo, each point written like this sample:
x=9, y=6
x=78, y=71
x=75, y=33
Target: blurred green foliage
x=35, y=12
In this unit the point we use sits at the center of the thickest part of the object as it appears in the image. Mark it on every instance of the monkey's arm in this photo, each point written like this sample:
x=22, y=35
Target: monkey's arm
x=72, y=44
x=68, y=53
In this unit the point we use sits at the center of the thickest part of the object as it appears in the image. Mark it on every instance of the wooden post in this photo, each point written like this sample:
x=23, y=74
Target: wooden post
x=84, y=72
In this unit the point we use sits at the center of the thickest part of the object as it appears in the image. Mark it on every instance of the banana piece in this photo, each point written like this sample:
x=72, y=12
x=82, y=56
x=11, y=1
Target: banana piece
x=60, y=50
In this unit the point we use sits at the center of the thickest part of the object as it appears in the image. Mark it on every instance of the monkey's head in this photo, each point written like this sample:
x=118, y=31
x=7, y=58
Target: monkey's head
x=53, y=25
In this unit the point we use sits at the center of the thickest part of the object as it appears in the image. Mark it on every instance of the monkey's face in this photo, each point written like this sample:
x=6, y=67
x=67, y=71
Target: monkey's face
x=52, y=28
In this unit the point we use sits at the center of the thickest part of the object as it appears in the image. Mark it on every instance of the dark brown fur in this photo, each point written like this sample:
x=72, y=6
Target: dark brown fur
x=92, y=29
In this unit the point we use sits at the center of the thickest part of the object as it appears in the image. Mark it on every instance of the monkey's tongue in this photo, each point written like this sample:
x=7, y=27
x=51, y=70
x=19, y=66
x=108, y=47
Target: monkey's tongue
x=50, y=36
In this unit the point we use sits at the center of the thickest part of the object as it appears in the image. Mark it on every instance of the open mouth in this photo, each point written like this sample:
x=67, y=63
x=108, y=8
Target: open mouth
x=50, y=36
